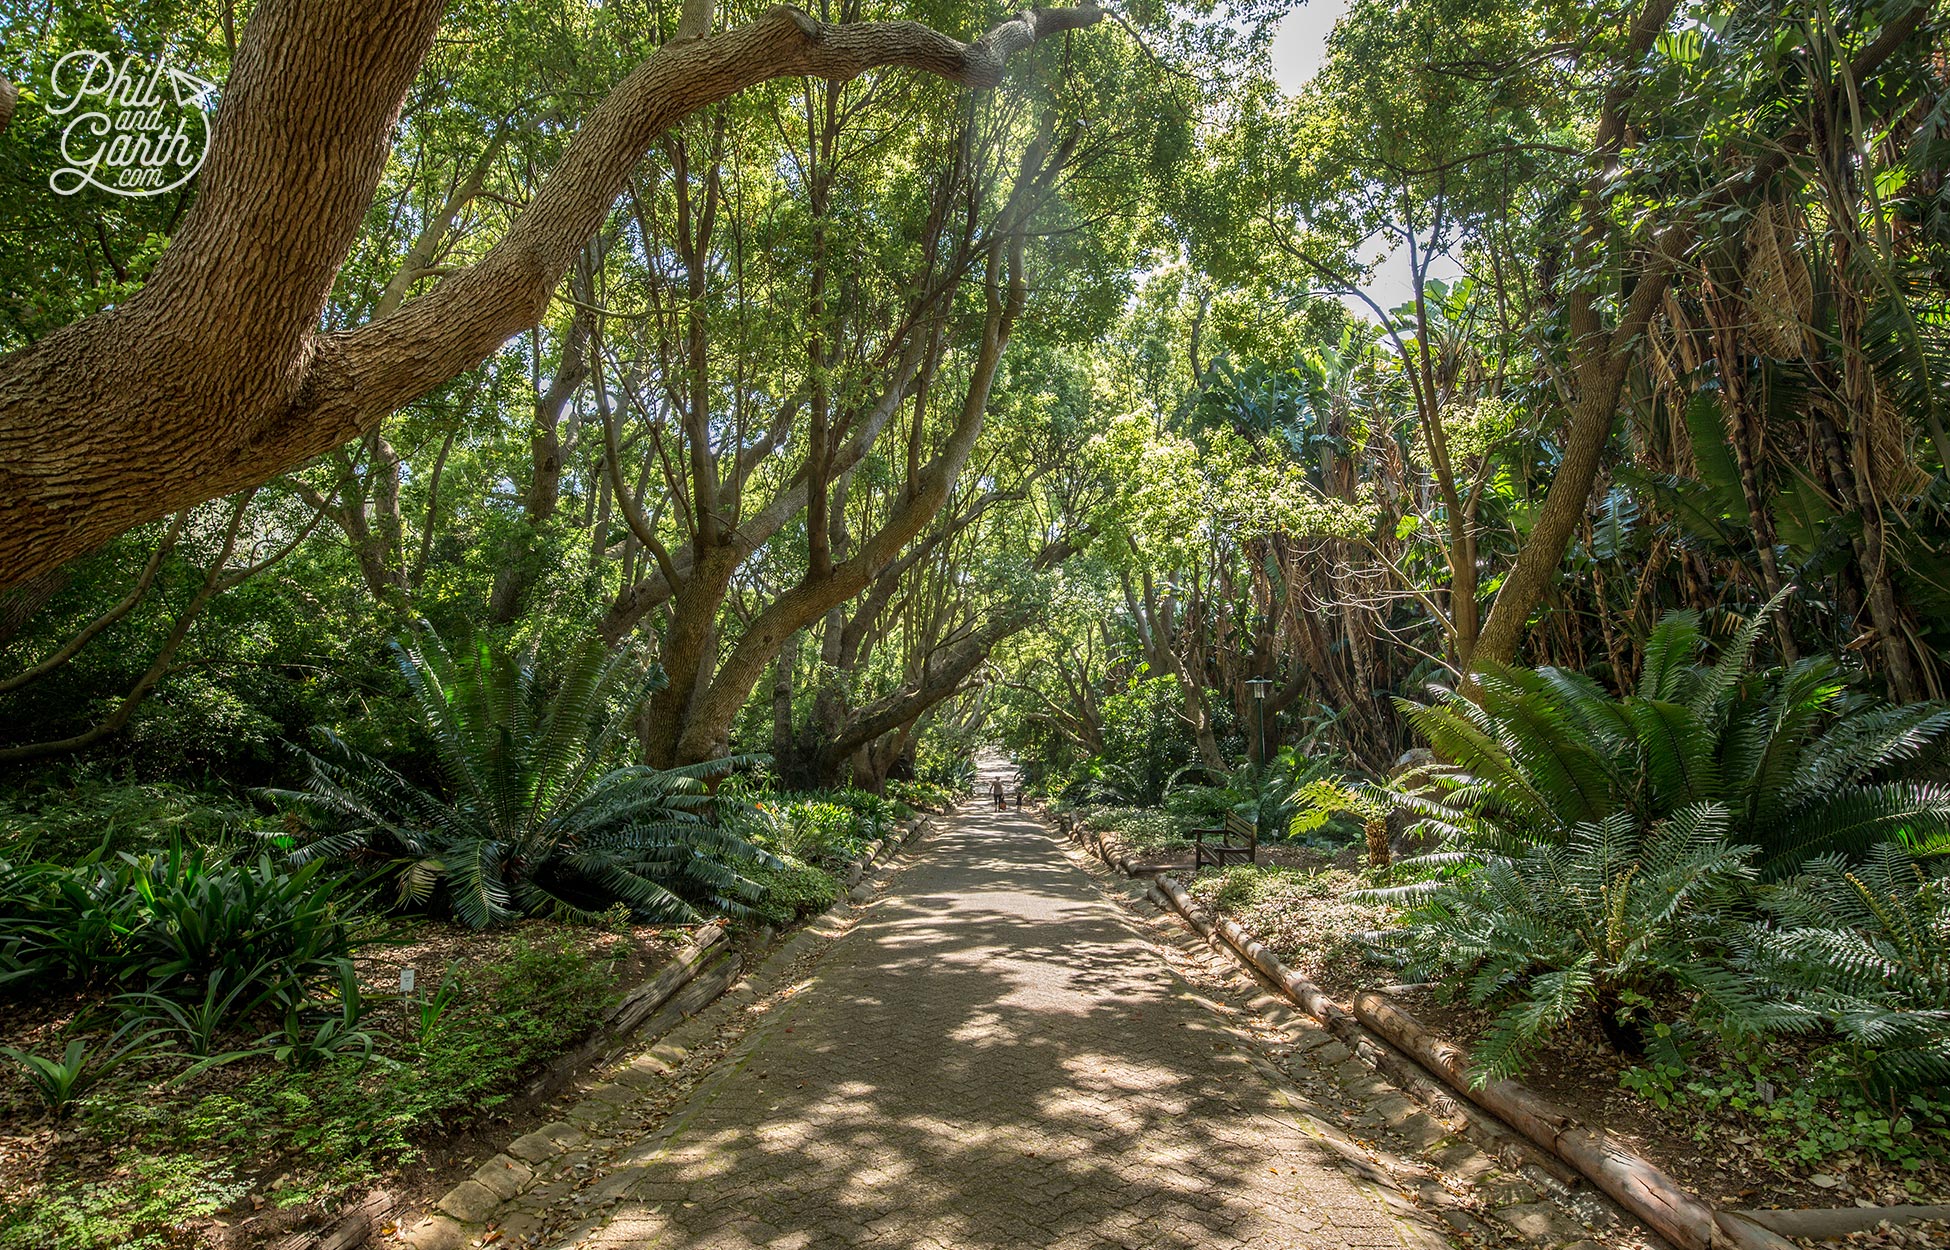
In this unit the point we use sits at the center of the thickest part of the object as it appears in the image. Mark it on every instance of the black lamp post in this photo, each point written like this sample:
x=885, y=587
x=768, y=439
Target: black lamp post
x=1259, y=687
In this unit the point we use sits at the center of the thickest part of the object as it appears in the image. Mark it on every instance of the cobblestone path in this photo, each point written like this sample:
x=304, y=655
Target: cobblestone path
x=992, y=1057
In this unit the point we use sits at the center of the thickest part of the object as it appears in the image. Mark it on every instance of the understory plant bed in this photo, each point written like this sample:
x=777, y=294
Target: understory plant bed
x=1150, y=835
x=242, y=1152
x=1145, y=834
x=1745, y=1126
x=1741, y=1129
x=1303, y=911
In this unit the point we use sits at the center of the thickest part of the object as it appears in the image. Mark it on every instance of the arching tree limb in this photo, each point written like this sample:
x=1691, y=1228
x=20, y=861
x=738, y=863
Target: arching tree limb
x=214, y=377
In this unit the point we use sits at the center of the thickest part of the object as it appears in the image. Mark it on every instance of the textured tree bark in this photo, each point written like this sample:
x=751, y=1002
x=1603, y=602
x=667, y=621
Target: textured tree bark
x=1600, y=359
x=1154, y=630
x=521, y=563
x=1726, y=316
x=782, y=671
x=215, y=377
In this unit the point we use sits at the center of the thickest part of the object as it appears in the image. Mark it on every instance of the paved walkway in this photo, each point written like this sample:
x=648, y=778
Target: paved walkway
x=993, y=1057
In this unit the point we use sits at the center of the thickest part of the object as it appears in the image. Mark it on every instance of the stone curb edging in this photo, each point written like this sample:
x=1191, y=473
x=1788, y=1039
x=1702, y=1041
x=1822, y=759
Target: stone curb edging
x=700, y=975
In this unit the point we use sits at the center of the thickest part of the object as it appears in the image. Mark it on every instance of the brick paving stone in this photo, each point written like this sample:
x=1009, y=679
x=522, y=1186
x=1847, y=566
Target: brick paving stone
x=993, y=1057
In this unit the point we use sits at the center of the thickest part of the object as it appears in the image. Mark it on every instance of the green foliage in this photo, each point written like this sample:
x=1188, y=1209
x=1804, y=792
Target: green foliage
x=925, y=795
x=1272, y=796
x=1320, y=800
x=58, y=1082
x=1864, y=949
x=64, y=818
x=175, y=922
x=197, y=1023
x=430, y=1013
x=1799, y=764
x=874, y=816
x=1318, y=920
x=134, y=1208
x=1146, y=830
x=1144, y=746
x=536, y=815
x=829, y=828
x=1614, y=922
x=310, y=1035
x=793, y=891
x=333, y=1122
x=1796, y=1115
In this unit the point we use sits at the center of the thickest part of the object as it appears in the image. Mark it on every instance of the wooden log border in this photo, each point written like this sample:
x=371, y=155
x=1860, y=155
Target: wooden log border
x=1635, y=1183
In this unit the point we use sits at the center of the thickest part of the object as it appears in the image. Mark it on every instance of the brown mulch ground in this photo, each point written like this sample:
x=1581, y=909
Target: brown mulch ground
x=1719, y=1159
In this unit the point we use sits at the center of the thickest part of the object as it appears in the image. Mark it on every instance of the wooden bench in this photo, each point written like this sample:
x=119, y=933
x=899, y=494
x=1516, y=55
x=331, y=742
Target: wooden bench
x=1235, y=842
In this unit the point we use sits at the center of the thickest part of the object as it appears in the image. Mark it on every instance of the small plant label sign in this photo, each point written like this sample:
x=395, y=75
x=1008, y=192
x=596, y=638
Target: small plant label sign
x=406, y=980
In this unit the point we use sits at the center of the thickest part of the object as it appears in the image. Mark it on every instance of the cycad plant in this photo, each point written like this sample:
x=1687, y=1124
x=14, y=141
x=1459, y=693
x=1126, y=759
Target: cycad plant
x=1801, y=764
x=1865, y=949
x=1269, y=795
x=1616, y=919
x=536, y=814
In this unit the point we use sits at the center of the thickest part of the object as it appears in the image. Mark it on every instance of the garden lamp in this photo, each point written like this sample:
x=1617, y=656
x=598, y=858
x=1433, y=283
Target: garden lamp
x=1259, y=686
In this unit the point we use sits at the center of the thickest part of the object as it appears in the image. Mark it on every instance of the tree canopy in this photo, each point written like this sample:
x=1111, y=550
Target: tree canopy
x=878, y=373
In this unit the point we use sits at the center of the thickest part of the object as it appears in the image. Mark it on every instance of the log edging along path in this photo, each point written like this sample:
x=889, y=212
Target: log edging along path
x=1635, y=1183
x=648, y=1020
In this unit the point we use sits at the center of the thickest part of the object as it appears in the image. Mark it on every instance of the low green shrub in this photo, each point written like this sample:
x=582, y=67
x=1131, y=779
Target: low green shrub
x=1800, y=763
x=1147, y=830
x=85, y=812
x=1863, y=951
x=538, y=812
x=792, y=891
x=925, y=795
x=135, y=1207
x=1318, y=921
x=816, y=831
x=332, y=1123
x=171, y=921
x=1618, y=922
x=1794, y=1115
x=876, y=816
x=1268, y=796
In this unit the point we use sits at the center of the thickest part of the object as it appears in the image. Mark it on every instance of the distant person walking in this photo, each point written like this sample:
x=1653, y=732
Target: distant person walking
x=995, y=790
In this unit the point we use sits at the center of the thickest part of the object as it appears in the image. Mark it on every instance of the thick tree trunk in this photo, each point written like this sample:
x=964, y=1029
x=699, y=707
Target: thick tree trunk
x=782, y=670
x=215, y=377
x=521, y=564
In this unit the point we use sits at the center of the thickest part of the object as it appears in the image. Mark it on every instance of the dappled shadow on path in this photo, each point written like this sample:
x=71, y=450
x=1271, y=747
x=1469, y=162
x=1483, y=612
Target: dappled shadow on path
x=992, y=1058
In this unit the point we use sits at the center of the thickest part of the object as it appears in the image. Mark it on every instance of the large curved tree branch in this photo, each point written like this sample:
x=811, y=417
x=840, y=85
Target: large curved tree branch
x=215, y=378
